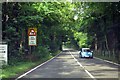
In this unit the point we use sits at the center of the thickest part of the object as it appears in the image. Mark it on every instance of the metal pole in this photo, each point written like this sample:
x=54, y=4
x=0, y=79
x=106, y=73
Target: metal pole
x=0, y=22
x=0, y=34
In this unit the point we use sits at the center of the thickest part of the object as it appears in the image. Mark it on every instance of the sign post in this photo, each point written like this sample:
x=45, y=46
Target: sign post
x=32, y=38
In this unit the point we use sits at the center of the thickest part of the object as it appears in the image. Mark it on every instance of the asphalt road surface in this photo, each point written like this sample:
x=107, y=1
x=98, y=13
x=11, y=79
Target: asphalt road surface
x=67, y=65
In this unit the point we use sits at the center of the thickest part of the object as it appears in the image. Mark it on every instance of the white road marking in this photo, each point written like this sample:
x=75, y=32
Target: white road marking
x=83, y=67
x=108, y=61
x=35, y=68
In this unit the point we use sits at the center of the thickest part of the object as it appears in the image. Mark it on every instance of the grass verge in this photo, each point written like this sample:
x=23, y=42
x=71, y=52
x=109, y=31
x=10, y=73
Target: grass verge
x=109, y=58
x=11, y=71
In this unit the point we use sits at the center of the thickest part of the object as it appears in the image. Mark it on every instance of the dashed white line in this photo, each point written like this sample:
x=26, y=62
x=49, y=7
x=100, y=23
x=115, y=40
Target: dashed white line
x=83, y=67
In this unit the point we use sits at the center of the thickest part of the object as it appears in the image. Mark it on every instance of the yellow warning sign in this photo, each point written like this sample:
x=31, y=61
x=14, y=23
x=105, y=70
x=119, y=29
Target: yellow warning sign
x=32, y=36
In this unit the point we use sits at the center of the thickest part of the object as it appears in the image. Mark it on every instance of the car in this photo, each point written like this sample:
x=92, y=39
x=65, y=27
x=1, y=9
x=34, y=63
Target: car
x=86, y=53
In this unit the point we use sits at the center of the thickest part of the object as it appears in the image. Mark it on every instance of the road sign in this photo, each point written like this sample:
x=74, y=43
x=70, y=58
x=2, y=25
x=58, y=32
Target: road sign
x=32, y=36
x=3, y=53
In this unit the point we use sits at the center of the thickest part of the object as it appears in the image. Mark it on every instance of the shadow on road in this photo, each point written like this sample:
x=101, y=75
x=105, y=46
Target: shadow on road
x=99, y=68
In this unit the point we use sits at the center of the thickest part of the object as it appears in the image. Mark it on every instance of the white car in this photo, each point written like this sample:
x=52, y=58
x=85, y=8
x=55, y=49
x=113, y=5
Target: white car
x=86, y=52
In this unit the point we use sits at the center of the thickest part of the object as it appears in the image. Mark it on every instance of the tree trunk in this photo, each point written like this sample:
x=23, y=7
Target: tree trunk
x=107, y=47
x=96, y=44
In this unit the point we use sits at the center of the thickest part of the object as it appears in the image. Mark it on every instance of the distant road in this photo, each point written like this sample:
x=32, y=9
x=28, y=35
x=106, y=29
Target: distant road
x=68, y=65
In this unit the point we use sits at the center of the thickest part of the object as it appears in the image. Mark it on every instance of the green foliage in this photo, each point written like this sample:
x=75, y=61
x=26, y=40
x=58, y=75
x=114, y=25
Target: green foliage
x=81, y=38
x=55, y=24
x=95, y=18
x=10, y=71
x=50, y=19
x=101, y=23
x=42, y=52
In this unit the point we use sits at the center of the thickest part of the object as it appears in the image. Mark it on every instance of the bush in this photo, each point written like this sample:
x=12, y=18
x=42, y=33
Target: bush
x=42, y=52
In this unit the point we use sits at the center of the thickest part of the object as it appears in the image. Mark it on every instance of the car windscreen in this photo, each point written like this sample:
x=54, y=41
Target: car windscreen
x=87, y=50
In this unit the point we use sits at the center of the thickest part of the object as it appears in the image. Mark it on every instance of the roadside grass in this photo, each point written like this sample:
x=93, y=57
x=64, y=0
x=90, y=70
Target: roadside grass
x=12, y=71
x=109, y=58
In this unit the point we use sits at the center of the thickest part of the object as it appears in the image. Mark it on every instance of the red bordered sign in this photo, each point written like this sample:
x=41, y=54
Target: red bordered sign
x=32, y=36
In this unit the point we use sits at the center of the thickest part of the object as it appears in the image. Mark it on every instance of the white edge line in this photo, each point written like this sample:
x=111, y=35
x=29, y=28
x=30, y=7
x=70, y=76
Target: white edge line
x=36, y=67
x=83, y=67
x=107, y=61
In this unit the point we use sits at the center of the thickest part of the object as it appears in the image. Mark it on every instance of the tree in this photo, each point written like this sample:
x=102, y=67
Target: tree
x=51, y=19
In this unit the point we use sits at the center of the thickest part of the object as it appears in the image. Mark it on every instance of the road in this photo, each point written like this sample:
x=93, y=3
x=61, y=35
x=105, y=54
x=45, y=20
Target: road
x=67, y=65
